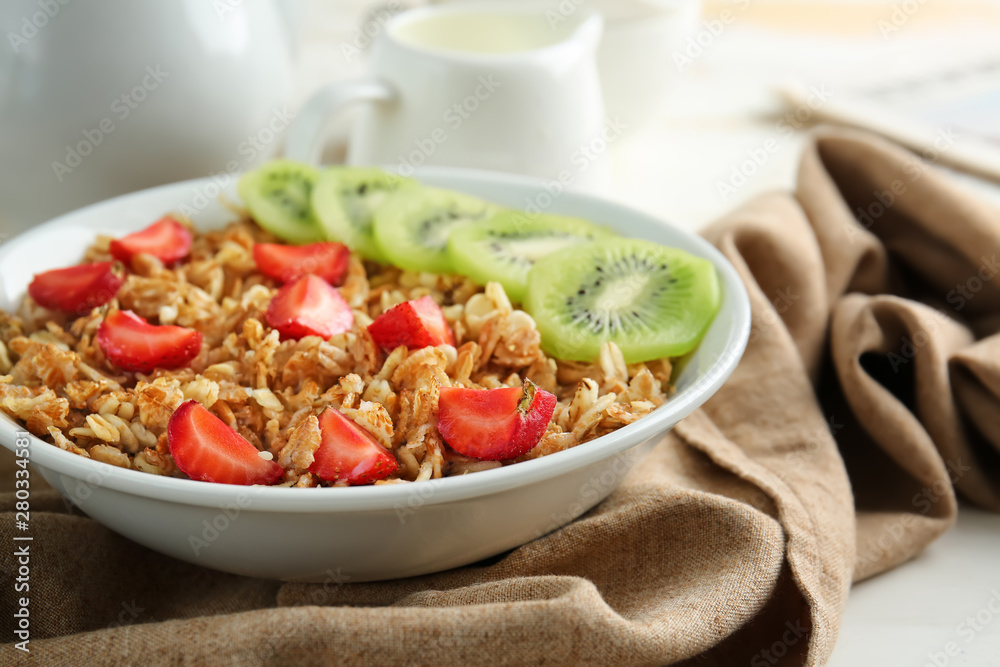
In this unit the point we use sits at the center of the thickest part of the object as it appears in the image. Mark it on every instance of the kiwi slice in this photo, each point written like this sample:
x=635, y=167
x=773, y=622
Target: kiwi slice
x=278, y=196
x=413, y=224
x=345, y=200
x=651, y=300
x=506, y=247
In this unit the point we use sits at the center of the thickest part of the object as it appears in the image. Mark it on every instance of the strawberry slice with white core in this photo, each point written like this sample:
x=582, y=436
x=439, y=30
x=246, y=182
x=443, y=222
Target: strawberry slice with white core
x=133, y=344
x=348, y=453
x=286, y=263
x=206, y=449
x=494, y=424
x=77, y=289
x=415, y=324
x=309, y=307
x=166, y=239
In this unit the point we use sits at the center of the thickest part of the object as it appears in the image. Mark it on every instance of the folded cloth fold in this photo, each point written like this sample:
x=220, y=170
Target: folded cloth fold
x=869, y=394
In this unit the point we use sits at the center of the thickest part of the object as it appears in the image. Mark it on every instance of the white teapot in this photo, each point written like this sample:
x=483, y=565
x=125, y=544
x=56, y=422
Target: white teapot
x=102, y=98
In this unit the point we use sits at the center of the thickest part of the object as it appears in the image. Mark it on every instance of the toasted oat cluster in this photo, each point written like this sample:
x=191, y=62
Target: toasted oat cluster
x=55, y=378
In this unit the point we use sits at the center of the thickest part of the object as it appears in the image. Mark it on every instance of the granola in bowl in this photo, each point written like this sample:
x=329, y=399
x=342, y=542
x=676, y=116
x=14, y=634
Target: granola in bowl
x=230, y=356
x=372, y=532
x=57, y=380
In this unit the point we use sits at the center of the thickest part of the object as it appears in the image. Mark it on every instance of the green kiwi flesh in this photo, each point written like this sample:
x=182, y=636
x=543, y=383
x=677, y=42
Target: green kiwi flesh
x=413, y=224
x=345, y=200
x=505, y=248
x=651, y=300
x=278, y=196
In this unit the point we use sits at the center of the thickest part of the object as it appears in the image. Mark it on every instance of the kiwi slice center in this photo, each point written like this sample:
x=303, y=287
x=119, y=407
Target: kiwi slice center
x=290, y=191
x=622, y=297
x=434, y=231
x=361, y=203
x=620, y=293
x=526, y=250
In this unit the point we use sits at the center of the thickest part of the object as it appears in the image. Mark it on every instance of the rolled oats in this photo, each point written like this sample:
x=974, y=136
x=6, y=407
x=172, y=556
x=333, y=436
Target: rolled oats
x=55, y=379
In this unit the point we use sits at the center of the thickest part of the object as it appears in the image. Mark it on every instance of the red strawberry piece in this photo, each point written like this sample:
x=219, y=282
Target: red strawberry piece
x=206, y=449
x=166, y=239
x=133, y=344
x=494, y=424
x=415, y=324
x=309, y=307
x=77, y=289
x=348, y=453
x=285, y=263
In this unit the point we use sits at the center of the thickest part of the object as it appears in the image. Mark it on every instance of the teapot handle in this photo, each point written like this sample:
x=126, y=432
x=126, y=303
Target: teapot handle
x=309, y=130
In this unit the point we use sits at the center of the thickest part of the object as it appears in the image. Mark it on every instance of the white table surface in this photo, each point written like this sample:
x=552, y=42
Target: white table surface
x=672, y=169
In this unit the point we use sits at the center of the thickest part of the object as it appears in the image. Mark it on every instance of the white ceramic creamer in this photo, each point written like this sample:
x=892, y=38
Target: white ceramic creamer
x=480, y=85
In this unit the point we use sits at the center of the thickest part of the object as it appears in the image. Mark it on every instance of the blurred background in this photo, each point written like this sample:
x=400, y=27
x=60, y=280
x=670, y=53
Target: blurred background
x=714, y=97
x=709, y=104
x=718, y=73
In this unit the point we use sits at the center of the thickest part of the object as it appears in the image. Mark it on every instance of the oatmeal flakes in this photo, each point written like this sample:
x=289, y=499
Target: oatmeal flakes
x=54, y=377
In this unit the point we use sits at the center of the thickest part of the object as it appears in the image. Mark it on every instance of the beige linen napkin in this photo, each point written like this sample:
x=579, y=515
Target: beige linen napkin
x=870, y=389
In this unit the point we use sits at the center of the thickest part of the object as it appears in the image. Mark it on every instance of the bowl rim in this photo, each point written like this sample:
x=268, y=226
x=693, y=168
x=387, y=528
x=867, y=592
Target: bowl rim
x=436, y=491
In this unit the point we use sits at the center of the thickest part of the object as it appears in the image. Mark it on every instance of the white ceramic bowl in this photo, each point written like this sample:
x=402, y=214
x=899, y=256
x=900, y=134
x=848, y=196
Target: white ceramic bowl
x=362, y=533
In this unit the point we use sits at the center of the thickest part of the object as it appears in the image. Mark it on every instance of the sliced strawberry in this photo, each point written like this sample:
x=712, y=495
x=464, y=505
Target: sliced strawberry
x=415, y=324
x=285, y=263
x=494, y=424
x=309, y=307
x=132, y=344
x=77, y=289
x=166, y=239
x=348, y=453
x=206, y=449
